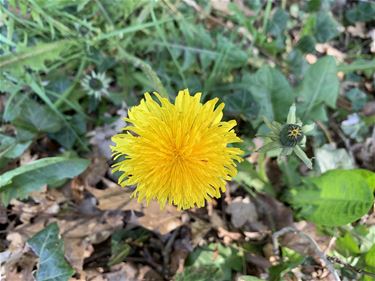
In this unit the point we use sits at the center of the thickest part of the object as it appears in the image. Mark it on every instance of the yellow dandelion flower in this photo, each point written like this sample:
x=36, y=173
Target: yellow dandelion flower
x=177, y=153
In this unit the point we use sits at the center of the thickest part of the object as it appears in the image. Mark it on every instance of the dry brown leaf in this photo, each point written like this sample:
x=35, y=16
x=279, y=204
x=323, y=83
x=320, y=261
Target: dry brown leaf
x=76, y=250
x=371, y=35
x=101, y=136
x=114, y=198
x=272, y=213
x=154, y=219
x=147, y=273
x=301, y=244
x=121, y=272
x=96, y=170
x=358, y=30
x=199, y=229
x=160, y=221
x=227, y=236
x=325, y=48
x=94, y=230
x=242, y=211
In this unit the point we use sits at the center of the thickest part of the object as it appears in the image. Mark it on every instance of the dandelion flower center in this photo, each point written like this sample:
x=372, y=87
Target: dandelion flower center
x=95, y=84
x=177, y=153
x=291, y=135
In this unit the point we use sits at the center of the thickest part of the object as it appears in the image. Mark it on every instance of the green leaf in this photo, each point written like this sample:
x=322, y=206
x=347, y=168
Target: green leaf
x=347, y=245
x=363, y=12
x=248, y=278
x=319, y=87
x=11, y=148
x=241, y=103
x=212, y=262
x=49, y=248
x=370, y=262
x=33, y=57
x=272, y=92
x=32, y=116
x=326, y=28
x=357, y=65
x=292, y=260
x=306, y=44
x=18, y=183
x=335, y=198
x=357, y=98
x=278, y=23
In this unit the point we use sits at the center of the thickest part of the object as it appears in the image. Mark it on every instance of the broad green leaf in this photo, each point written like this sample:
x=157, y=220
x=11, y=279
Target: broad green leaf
x=241, y=103
x=335, y=198
x=32, y=116
x=49, y=247
x=33, y=57
x=272, y=92
x=18, y=183
x=319, y=87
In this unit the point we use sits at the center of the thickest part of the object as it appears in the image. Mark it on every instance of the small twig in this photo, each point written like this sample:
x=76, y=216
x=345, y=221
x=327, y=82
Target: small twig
x=325, y=131
x=350, y=267
x=337, y=129
x=167, y=251
x=313, y=244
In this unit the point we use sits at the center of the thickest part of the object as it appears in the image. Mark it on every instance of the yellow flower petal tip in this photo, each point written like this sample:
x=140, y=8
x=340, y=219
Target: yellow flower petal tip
x=177, y=153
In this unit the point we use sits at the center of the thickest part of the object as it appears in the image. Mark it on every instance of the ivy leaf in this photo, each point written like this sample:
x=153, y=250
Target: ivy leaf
x=362, y=12
x=319, y=87
x=49, y=248
x=19, y=182
x=272, y=92
x=326, y=27
x=241, y=103
x=335, y=198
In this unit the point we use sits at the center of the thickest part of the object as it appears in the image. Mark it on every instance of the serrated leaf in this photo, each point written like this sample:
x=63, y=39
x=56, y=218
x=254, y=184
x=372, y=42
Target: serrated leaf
x=52, y=265
x=19, y=182
x=335, y=198
x=33, y=57
x=319, y=87
x=272, y=92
